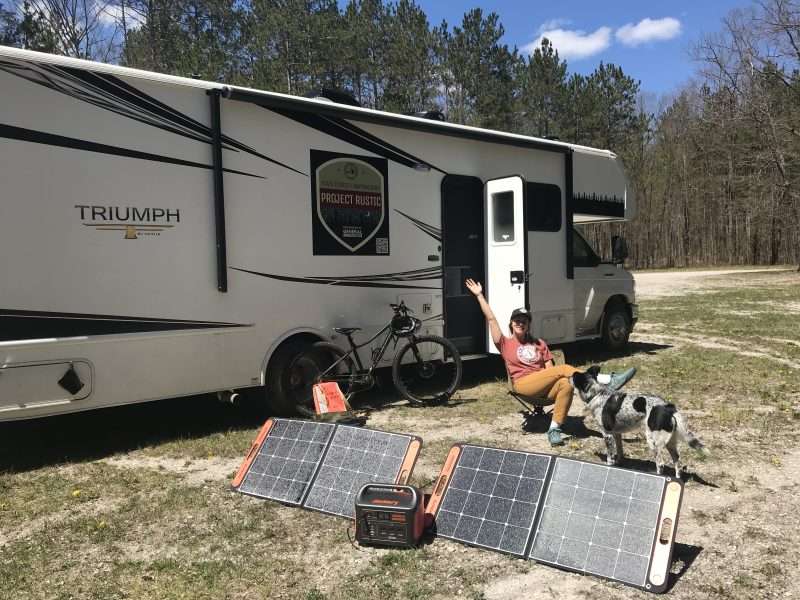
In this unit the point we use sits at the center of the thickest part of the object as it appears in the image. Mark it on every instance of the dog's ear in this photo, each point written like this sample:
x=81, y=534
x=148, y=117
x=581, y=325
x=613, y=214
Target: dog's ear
x=579, y=380
x=593, y=371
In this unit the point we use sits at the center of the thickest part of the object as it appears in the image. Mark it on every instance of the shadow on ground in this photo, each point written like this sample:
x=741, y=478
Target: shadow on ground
x=648, y=466
x=683, y=555
x=583, y=353
x=91, y=435
x=78, y=437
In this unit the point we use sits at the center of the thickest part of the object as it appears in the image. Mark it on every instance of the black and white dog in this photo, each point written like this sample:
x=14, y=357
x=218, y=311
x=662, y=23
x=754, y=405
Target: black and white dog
x=619, y=412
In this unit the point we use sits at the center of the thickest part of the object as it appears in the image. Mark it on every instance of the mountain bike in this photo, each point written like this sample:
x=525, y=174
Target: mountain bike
x=425, y=370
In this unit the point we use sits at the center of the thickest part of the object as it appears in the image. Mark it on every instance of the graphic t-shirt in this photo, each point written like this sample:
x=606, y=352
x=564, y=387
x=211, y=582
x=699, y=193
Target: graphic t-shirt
x=523, y=359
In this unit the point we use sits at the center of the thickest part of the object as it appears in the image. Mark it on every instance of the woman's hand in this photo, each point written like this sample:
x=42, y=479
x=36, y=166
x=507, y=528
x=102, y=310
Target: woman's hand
x=475, y=288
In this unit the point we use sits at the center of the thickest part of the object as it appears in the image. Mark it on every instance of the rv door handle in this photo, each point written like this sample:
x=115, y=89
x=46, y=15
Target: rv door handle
x=517, y=277
x=433, y=257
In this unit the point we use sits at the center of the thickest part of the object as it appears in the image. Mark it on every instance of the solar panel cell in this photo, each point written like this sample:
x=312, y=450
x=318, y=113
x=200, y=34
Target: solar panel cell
x=602, y=561
x=607, y=533
x=573, y=553
x=631, y=568
x=514, y=539
x=521, y=514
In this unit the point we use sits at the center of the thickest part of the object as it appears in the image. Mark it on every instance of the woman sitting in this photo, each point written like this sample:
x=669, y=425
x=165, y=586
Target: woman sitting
x=530, y=363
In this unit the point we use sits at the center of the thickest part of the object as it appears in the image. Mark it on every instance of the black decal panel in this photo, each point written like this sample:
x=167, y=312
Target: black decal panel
x=34, y=325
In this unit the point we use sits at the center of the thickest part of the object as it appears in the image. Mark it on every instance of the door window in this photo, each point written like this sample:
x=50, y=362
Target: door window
x=503, y=217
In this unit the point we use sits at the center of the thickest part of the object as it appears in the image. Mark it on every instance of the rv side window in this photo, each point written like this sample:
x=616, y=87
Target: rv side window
x=582, y=253
x=544, y=207
x=503, y=216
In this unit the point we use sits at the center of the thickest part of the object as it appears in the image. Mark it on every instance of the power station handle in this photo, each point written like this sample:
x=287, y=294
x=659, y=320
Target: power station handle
x=389, y=486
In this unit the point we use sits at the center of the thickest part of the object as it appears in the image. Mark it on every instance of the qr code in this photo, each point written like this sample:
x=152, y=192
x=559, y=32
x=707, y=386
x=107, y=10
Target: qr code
x=381, y=245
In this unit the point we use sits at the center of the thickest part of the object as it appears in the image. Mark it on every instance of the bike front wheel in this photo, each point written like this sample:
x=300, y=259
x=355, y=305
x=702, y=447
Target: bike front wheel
x=427, y=370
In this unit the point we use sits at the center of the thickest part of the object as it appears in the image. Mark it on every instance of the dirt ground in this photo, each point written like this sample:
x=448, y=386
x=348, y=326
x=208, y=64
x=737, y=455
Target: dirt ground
x=144, y=493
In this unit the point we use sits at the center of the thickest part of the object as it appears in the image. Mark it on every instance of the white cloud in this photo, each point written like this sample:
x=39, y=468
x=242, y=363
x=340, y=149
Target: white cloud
x=648, y=30
x=553, y=24
x=573, y=43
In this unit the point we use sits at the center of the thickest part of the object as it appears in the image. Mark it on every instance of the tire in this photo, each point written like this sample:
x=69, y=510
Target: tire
x=293, y=370
x=430, y=381
x=616, y=326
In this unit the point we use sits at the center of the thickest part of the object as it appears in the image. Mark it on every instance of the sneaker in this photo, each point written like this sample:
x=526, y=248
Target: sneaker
x=554, y=437
x=620, y=379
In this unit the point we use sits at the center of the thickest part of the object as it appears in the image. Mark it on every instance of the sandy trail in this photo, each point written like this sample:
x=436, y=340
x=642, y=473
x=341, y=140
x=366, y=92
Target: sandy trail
x=652, y=284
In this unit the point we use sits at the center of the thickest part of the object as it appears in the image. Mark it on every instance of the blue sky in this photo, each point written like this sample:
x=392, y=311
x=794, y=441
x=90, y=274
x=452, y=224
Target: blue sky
x=654, y=48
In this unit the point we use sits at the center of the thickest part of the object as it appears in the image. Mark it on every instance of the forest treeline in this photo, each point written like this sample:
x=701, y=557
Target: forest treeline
x=715, y=168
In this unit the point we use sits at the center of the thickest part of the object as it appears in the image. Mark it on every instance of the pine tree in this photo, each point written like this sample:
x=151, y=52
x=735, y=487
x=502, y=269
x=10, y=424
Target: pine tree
x=543, y=91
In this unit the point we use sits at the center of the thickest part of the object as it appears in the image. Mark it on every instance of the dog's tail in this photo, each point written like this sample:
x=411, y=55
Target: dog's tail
x=689, y=437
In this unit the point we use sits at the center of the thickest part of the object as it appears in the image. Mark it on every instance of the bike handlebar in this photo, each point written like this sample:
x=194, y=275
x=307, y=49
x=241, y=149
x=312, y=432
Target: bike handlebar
x=401, y=308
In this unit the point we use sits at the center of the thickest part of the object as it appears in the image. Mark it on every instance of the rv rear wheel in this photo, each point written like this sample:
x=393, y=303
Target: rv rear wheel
x=616, y=325
x=293, y=370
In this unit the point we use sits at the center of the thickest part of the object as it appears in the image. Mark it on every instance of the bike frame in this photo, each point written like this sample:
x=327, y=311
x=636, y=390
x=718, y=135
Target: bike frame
x=376, y=359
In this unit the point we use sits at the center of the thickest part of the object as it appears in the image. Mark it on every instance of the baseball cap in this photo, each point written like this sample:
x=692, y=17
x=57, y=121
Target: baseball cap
x=521, y=313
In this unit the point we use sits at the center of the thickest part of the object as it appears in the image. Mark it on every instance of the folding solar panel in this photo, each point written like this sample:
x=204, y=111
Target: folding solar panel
x=575, y=515
x=322, y=466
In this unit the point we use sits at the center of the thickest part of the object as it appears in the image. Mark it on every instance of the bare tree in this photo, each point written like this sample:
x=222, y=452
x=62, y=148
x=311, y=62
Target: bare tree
x=82, y=28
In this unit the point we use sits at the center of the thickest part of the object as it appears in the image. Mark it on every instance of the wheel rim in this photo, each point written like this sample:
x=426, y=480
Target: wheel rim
x=429, y=380
x=617, y=327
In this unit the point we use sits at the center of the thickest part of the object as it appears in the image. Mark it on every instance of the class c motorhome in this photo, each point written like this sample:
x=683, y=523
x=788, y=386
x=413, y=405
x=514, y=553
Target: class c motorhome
x=164, y=237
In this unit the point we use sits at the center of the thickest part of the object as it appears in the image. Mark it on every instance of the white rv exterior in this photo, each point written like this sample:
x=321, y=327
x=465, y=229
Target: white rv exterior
x=164, y=237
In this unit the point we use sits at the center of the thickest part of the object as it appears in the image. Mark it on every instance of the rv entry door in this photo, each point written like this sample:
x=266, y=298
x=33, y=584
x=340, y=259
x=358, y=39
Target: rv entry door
x=506, y=268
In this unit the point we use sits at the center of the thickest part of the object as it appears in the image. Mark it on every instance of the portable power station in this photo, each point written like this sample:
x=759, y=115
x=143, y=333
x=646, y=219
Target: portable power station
x=389, y=515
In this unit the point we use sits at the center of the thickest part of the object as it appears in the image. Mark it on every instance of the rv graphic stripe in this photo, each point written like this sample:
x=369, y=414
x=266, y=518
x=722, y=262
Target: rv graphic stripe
x=50, y=139
x=432, y=231
x=32, y=325
x=374, y=138
x=115, y=95
x=374, y=281
x=347, y=132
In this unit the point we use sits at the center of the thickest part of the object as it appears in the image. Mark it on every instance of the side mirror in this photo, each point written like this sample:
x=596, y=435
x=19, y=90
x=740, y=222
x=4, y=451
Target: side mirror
x=619, y=249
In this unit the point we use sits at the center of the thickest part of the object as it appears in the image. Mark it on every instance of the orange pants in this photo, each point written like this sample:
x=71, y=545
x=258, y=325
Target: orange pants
x=554, y=382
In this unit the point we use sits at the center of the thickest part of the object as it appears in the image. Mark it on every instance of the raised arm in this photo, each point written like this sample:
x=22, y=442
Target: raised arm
x=476, y=289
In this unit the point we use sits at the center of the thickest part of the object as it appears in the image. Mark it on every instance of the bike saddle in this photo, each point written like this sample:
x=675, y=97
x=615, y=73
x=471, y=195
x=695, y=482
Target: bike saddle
x=346, y=330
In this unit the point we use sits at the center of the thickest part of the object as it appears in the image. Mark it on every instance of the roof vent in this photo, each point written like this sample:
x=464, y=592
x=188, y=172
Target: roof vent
x=333, y=95
x=434, y=115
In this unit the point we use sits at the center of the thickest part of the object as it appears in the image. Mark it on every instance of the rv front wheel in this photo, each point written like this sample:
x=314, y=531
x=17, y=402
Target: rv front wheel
x=293, y=370
x=616, y=326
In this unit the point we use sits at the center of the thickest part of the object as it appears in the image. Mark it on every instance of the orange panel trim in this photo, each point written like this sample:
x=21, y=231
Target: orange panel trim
x=251, y=454
x=443, y=480
x=408, y=462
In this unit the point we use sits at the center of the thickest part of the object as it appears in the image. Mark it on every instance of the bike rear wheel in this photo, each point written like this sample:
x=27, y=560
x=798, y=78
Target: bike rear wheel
x=427, y=370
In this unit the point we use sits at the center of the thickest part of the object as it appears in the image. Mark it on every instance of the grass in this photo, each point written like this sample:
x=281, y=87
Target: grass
x=76, y=523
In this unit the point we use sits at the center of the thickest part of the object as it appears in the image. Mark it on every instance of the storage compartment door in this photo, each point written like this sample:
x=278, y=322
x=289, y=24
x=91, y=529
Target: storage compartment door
x=23, y=385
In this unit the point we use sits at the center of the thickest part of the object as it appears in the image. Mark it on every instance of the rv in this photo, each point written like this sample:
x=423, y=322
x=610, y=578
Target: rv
x=164, y=237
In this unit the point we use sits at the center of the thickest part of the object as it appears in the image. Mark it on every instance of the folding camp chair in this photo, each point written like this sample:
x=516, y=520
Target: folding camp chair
x=534, y=405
